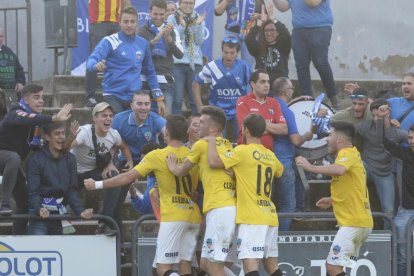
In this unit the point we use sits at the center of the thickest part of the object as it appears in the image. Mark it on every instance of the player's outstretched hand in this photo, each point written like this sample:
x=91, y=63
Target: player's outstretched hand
x=302, y=162
x=89, y=184
x=324, y=203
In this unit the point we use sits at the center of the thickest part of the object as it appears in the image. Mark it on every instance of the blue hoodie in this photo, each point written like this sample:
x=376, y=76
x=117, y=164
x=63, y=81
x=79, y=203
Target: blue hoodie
x=126, y=57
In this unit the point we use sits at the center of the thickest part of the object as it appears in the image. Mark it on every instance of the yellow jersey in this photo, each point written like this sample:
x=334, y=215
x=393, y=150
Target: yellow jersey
x=254, y=166
x=175, y=192
x=349, y=192
x=219, y=187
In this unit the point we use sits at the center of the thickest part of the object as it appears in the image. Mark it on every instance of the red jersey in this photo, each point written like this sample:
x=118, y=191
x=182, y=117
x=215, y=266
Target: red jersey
x=104, y=11
x=269, y=109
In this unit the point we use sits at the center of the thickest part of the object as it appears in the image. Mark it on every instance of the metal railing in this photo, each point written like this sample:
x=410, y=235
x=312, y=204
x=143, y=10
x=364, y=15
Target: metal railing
x=327, y=215
x=408, y=242
x=6, y=14
x=107, y=219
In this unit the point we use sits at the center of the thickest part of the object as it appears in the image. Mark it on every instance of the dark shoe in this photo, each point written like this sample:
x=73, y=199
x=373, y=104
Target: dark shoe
x=103, y=229
x=6, y=210
x=91, y=102
x=334, y=101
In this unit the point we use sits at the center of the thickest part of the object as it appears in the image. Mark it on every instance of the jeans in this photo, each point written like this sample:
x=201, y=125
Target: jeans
x=400, y=220
x=97, y=31
x=14, y=184
x=168, y=91
x=312, y=44
x=43, y=227
x=385, y=191
x=231, y=131
x=300, y=192
x=184, y=76
x=118, y=104
x=285, y=187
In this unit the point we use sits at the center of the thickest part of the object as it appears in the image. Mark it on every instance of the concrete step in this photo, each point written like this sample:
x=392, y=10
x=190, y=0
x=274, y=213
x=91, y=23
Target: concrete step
x=72, y=83
x=82, y=114
x=77, y=98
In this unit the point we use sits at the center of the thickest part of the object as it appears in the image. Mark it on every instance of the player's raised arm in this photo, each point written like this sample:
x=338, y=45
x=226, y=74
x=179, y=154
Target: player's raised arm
x=213, y=158
x=117, y=181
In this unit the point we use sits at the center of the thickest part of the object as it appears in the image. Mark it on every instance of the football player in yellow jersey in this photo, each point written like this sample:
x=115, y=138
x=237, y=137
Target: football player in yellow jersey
x=219, y=192
x=349, y=198
x=254, y=167
x=180, y=215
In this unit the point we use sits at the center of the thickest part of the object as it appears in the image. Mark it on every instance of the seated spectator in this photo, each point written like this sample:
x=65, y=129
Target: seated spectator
x=19, y=133
x=52, y=180
x=94, y=147
x=11, y=74
x=269, y=43
x=228, y=78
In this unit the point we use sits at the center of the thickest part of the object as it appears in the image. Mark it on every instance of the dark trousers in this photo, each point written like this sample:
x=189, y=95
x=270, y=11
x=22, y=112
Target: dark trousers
x=312, y=44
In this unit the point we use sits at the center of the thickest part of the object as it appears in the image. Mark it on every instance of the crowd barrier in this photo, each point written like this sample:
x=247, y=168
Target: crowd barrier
x=323, y=215
x=408, y=243
x=4, y=248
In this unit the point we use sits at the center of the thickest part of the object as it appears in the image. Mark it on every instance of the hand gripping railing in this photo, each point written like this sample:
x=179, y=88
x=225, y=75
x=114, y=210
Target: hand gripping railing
x=110, y=220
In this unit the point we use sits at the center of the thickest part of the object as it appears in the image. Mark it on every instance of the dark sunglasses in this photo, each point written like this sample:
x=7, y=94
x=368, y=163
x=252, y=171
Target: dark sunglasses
x=358, y=97
x=231, y=39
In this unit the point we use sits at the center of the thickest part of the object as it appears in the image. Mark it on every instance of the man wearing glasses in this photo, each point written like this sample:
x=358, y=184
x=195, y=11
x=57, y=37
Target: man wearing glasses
x=229, y=79
x=358, y=112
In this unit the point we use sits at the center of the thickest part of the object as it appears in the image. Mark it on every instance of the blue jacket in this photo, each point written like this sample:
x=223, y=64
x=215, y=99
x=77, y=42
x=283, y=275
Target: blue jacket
x=126, y=57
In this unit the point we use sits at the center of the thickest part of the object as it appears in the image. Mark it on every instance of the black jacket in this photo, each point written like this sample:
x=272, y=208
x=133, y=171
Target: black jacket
x=11, y=72
x=17, y=127
x=52, y=177
x=274, y=59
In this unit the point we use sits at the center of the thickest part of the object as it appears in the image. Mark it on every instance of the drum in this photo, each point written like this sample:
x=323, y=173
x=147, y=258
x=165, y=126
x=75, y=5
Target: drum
x=316, y=148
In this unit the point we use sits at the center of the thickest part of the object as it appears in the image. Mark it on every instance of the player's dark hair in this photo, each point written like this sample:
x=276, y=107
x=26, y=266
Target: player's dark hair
x=148, y=147
x=411, y=128
x=217, y=115
x=162, y=4
x=177, y=126
x=31, y=89
x=345, y=128
x=255, y=124
x=255, y=75
x=48, y=128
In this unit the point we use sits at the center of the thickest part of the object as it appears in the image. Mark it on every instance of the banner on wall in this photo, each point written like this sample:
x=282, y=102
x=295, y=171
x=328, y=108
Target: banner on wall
x=81, y=53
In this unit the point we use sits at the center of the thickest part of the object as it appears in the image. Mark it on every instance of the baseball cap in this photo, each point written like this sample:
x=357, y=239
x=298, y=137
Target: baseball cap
x=101, y=107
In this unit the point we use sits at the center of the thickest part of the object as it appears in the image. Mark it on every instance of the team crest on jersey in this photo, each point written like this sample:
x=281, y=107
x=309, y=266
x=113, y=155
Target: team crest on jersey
x=138, y=54
x=229, y=154
x=343, y=159
x=271, y=111
x=209, y=243
x=336, y=249
x=148, y=135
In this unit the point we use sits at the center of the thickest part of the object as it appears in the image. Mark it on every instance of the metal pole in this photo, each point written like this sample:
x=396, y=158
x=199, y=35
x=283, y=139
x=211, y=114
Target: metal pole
x=65, y=3
x=134, y=241
x=29, y=40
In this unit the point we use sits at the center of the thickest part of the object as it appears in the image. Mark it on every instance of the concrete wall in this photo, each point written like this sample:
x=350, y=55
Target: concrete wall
x=372, y=39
